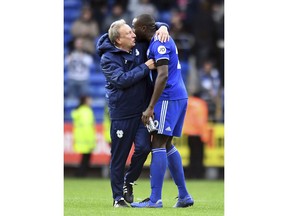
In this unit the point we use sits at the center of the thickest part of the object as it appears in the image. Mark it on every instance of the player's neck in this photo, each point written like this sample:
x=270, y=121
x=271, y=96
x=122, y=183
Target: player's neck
x=150, y=35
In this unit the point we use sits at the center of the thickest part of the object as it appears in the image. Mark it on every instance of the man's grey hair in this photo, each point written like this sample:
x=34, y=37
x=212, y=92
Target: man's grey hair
x=113, y=32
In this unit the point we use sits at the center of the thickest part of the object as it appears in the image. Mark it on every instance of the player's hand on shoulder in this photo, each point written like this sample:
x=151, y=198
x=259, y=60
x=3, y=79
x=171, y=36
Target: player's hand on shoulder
x=163, y=34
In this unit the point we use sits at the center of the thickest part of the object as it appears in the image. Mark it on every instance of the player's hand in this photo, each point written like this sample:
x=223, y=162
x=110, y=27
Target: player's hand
x=163, y=34
x=151, y=64
x=146, y=114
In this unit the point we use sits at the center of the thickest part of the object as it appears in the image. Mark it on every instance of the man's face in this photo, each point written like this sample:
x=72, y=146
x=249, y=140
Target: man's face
x=138, y=30
x=207, y=67
x=127, y=38
x=78, y=44
x=87, y=15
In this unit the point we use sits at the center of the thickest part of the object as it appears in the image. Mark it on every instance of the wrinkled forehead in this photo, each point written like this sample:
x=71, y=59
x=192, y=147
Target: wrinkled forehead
x=125, y=28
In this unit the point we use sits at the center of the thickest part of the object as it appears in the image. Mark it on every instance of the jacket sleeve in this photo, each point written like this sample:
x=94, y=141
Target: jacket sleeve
x=121, y=79
x=159, y=24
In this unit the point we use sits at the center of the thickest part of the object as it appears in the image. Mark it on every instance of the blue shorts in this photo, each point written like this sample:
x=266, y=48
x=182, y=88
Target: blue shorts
x=169, y=115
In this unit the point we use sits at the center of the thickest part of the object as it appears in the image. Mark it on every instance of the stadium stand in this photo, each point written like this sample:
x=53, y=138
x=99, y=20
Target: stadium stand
x=72, y=10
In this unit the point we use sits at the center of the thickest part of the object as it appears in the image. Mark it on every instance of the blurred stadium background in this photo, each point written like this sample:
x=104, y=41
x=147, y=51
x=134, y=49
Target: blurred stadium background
x=197, y=27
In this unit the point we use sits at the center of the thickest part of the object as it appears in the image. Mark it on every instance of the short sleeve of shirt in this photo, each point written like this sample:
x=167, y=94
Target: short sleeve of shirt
x=160, y=50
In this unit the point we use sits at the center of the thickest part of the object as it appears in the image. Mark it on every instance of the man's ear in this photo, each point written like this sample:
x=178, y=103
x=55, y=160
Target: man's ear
x=144, y=28
x=118, y=41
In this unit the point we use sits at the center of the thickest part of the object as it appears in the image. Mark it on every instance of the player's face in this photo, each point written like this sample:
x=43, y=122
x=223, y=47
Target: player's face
x=137, y=30
x=127, y=37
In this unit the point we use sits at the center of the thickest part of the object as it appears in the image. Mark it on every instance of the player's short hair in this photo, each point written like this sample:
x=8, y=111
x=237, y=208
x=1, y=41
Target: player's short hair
x=146, y=20
x=113, y=32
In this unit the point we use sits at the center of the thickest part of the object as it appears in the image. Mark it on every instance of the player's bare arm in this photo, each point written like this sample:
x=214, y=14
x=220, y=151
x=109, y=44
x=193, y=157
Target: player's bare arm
x=160, y=84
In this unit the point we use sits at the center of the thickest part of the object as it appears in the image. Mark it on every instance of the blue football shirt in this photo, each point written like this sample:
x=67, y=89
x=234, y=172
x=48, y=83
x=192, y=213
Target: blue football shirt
x=175, y=88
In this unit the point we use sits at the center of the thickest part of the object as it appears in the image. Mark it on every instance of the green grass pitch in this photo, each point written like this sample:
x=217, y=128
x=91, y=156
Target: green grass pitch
x=93, y=196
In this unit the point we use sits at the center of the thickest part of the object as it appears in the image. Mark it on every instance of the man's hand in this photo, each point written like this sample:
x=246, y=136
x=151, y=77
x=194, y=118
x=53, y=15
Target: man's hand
x=163, y=34
x=149, y=112
x=151, y=64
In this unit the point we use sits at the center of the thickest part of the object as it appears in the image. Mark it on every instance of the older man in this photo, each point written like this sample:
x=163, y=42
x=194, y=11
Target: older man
x=128, y=90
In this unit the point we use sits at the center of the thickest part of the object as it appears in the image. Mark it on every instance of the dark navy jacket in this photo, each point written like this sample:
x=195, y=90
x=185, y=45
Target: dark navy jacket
x=128, y=85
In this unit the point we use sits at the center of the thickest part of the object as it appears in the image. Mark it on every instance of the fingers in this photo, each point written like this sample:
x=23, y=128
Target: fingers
x=150, y=64
x=163, y=37
x=145, y=119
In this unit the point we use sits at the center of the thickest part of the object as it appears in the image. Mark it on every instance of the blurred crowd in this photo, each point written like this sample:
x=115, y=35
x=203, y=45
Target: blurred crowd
x=197, y=26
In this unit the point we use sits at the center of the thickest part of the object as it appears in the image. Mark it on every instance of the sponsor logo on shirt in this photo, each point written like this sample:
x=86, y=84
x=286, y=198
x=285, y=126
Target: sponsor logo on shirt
x=161, y=49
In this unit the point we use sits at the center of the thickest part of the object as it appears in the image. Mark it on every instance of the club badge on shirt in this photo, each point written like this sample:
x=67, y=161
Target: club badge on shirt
x=119, y=133
x=137, y=52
